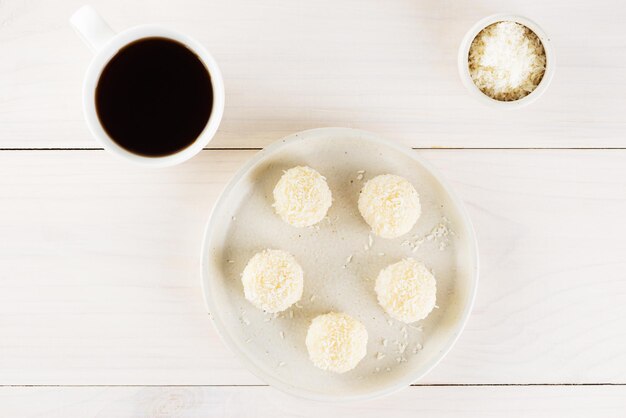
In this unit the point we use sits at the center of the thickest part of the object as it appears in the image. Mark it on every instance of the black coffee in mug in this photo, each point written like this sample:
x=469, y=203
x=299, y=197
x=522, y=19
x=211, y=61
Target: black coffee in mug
x=154, y=97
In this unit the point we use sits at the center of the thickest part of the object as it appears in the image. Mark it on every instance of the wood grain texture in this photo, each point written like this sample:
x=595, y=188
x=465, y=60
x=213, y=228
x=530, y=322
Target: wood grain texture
x=100, y=280
x=196, y=402
x=292, y=65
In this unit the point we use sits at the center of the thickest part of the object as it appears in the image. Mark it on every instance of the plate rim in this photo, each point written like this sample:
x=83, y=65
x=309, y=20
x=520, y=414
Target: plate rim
x=250, y=365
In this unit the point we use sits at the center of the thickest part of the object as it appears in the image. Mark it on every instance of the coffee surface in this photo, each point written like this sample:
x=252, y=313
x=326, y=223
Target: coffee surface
x=154, y=97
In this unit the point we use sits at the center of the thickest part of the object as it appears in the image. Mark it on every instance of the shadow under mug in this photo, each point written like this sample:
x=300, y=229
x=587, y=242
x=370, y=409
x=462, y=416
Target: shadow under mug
x=105, y=44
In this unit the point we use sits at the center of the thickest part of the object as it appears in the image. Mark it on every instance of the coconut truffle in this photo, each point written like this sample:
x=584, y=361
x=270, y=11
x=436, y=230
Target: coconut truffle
x=336, y=342
x=273, y=280
x=406, y=290
x=390, y=205
x=302, y=197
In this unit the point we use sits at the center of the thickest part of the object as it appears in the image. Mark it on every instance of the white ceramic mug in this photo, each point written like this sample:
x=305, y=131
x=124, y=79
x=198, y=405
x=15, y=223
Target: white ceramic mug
x=105, y=43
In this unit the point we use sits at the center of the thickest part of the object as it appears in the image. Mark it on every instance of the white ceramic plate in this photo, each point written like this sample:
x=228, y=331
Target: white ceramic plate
x=243, y=223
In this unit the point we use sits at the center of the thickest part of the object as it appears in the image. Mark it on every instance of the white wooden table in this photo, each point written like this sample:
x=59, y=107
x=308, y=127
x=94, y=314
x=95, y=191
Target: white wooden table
x=101, y=313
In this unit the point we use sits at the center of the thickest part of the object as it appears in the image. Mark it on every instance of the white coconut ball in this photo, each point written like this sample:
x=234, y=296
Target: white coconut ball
x=336, y=342
x=302, y=197
x=406, y=290
x=390, y=205
x=273, y=280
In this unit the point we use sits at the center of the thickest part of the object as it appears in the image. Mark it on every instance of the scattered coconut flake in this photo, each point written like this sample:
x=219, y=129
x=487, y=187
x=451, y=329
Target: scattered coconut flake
x=281, y=364
x=440, y=233
x=380, y=356
x=230, y=261
x=384, y=342
x=282, y=335
x=416, y=246
x=312, y=298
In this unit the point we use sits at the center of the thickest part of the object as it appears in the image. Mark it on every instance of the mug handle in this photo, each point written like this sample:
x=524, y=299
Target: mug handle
x=91, y=28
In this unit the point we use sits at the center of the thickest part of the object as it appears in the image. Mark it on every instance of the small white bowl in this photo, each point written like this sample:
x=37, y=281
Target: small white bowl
x=464, y=66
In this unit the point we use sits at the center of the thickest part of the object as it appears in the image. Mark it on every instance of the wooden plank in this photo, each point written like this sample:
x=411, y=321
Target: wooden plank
x=100, y=280
x=289, y=66
x=190, y=402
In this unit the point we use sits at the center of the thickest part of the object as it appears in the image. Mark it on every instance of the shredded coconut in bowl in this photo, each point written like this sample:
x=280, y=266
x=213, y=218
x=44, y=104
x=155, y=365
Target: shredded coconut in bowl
x=507, y=61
